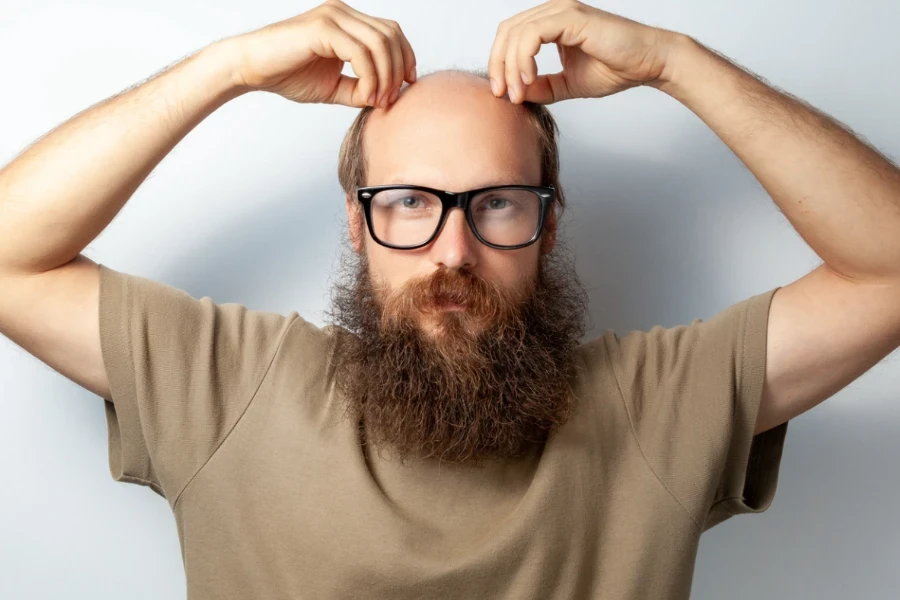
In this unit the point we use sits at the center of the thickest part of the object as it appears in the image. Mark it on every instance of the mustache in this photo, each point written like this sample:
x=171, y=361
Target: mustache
x=479, y=298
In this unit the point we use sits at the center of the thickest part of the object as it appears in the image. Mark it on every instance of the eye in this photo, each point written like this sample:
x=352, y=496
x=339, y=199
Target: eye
x=495, y=203
x=410, y=202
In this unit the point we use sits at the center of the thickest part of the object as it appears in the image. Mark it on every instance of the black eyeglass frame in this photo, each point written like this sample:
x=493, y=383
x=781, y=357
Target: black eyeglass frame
x=456, y=200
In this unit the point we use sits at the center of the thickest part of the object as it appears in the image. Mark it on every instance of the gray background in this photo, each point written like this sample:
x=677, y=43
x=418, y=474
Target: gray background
x=667, y=225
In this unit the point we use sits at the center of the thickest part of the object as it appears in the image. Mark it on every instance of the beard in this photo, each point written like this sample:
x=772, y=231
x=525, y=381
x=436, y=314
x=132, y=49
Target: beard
x=490, y=381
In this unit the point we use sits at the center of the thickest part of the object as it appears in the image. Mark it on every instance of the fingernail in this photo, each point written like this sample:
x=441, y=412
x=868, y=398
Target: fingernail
x=412, y=73
x=394, y=95
x=495, y=88
x=524, y=77
x=372, y=99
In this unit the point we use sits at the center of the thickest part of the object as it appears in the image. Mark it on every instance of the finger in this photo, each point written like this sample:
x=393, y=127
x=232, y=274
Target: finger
x=525, y=43
x=348, y=93
x=398, y=73
x=404, y=59
x=409, y=57
x=548, y=89
x=337, y=43
x=402, y=56
x=525, y=53
x=497, y=59
x=497, y=62
x=511, y=70
x=379, y=47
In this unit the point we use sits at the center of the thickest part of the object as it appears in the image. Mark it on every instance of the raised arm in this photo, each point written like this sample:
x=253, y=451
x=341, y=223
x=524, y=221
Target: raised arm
x=62, y=191
x=59, y=194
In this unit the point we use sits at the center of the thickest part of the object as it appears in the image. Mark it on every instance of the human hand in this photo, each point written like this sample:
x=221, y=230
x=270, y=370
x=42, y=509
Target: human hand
x=301, y=58
x=601, y=53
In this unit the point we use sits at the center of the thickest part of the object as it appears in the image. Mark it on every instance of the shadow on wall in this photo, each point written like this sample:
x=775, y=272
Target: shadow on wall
x=830, y=528
x=268, y=253
x=651, y=237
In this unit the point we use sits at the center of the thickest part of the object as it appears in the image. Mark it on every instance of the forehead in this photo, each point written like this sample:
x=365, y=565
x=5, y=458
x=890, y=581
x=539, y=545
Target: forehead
x=448, y=131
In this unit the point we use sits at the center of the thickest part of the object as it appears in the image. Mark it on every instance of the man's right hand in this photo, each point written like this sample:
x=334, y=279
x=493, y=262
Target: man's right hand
x=301, y=58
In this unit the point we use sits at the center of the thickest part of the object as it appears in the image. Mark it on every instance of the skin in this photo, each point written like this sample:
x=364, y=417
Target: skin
x=479, y=140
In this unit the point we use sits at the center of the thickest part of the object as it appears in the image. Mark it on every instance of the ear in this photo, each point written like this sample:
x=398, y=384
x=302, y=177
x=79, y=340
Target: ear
x=548, y=235
x=355, y=222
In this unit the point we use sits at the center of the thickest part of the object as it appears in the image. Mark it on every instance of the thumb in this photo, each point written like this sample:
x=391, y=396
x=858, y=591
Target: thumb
x=349, y=93
x=547, y=89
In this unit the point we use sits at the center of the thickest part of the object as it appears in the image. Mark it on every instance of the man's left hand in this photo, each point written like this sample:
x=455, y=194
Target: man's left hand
x=601, y=53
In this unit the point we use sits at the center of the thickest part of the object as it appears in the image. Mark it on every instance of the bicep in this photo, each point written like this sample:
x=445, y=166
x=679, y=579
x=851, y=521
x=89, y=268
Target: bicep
x=824, y=331
x=55, y=317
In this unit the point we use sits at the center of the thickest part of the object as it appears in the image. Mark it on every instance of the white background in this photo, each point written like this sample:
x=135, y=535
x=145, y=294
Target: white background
x=667, y=225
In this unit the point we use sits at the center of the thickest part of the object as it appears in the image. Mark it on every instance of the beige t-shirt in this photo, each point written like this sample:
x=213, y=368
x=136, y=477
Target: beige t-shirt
x=232, y=415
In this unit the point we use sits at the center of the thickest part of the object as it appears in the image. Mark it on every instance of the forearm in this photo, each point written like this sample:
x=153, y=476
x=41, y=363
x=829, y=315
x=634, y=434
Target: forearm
x=842, y=196
x=60, y=193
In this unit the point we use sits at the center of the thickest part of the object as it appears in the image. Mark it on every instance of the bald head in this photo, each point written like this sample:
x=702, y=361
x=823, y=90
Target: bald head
x=449, y=131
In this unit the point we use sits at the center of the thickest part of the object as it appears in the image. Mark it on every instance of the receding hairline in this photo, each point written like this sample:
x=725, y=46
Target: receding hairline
x=352, y=167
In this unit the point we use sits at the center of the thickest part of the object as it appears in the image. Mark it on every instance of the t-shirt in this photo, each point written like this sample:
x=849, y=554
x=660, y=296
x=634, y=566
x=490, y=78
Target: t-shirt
x=233, y=416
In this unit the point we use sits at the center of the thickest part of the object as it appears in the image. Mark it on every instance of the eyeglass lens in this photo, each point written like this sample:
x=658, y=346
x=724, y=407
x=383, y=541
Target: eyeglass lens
x=408, y=217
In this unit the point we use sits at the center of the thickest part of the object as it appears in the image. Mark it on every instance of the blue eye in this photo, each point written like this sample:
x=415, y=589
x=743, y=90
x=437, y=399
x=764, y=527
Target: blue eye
x=495, y=203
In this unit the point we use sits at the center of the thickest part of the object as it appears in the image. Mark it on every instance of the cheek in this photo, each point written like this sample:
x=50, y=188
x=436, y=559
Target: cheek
x=513, y=268
x=391, y=267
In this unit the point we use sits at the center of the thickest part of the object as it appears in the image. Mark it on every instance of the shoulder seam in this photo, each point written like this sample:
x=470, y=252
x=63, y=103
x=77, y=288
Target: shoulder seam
x=637, y=441
x=293, y=319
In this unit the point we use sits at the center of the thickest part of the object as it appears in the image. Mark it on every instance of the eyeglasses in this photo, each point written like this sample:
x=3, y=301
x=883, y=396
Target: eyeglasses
x=405, y=217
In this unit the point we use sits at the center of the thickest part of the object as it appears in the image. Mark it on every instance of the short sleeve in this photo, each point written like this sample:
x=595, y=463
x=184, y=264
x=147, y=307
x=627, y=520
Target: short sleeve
x=181, y=373
x=692, y=393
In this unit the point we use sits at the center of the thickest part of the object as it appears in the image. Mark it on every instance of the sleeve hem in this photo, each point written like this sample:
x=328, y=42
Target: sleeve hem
x=129, y=459
x=748, y=485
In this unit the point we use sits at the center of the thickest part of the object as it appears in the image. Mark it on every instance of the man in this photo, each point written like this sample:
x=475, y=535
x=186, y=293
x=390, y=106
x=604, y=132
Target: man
x=448, y=436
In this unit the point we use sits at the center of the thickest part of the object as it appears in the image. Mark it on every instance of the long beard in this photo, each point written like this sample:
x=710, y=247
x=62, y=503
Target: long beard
x=492, y=381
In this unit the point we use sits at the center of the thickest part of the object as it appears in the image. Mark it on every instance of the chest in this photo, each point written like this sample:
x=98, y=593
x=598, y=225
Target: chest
x=292, y=502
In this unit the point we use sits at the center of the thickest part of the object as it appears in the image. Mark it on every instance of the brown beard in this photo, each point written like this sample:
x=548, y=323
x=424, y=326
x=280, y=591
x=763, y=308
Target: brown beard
x=490, y=382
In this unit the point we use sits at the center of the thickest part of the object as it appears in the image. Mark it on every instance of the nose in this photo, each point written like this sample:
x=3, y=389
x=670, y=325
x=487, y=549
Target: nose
x=455, y=245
